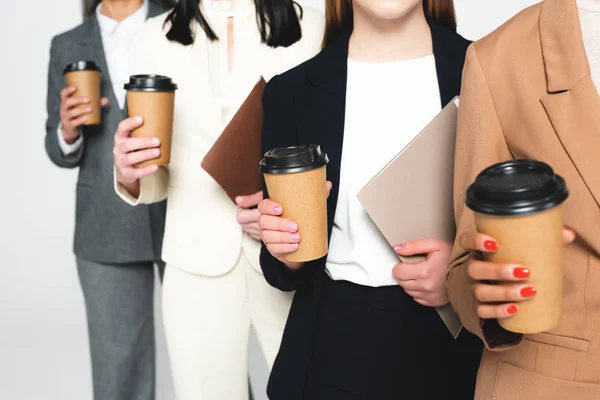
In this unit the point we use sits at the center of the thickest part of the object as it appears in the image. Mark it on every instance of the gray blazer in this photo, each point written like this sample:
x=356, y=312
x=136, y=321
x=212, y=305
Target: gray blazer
x=106, y=228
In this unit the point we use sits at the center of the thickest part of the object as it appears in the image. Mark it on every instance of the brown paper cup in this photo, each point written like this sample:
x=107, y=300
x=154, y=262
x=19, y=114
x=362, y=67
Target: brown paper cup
x=87, y=84
x=534, y=241
x=519, y=204
x=157, y=109
x=303, y=197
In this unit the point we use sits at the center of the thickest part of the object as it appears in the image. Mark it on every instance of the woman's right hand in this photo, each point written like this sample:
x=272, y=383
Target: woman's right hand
x=494, y=300
x=71, y=116
x=129, y=152
x=279, y=235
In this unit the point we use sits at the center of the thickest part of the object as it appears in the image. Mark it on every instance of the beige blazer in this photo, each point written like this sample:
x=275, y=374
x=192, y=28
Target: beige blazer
x=527, y=93
x=202, y=235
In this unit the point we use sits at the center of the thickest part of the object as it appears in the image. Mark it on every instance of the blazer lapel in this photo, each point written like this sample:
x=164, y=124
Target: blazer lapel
x=322, y=111
x=572, y=102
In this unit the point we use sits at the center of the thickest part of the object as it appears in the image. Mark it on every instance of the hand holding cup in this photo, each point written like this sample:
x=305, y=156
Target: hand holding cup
x=129, y=152
x=74, y=112
x=279, y=235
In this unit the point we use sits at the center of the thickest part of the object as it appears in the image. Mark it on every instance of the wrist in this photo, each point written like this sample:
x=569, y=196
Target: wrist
x=292, y=265
x=70, y=137
x=133, y=188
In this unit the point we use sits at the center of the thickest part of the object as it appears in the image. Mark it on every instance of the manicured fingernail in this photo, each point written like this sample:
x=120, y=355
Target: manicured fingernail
x=88, y=109
x=154, y=167
x=137, y=119
x=292, y=227
x=512, y=309
x=294, y=246
x=490, y=245
x=156, y=141
x=528, y=291
x=238, y=199
x=399, y=247
x=155, y=152
x=277, y=209
x=520, y=272
x=295, y=237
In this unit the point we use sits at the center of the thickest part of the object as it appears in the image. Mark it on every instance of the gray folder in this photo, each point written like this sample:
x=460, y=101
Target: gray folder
x=417, y=185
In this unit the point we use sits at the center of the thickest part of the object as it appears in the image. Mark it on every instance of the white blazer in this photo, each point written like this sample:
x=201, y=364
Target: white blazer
x=202, y=235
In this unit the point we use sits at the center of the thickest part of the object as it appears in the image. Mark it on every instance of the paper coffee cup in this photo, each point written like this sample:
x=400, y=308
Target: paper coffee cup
x=153, y=98
x=296, y=179
x=85, y=77
x=518, y=203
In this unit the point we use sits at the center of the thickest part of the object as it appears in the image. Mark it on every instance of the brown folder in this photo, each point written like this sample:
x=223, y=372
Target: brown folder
x=418, y=186
x=233, y=159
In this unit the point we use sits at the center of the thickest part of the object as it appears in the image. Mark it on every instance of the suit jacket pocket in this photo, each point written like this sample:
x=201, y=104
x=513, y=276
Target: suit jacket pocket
x=514, y=383
x=560, y=341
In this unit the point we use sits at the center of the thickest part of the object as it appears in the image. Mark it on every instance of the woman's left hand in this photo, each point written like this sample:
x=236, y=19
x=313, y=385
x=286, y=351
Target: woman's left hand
x=424, y=281
x=247, y=215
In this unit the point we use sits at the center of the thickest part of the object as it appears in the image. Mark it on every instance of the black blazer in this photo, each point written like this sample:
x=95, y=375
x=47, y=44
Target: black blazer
x=307, y=105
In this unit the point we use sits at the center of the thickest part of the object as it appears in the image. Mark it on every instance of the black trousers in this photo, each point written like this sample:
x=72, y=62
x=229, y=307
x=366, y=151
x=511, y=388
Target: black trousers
x=378, y=344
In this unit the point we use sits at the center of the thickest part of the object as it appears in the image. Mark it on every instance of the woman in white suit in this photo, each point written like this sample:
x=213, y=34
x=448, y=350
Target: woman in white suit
x=213, y=288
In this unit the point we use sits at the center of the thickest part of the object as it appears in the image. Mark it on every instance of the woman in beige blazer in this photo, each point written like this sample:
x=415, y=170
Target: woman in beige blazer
x=528, y=92
x=213, y=288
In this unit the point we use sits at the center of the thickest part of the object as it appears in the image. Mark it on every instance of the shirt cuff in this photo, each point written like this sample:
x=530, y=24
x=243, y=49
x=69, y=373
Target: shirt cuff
x=65, y=147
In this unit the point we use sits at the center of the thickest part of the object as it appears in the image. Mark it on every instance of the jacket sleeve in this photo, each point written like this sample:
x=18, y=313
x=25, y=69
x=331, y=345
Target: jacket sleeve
x=56, y=82
x=153, y=188
x=279, y=130
x=480, y=143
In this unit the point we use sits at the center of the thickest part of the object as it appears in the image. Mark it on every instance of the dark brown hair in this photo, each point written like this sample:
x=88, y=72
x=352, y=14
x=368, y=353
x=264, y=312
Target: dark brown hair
x=278, y=22
x=339, y=17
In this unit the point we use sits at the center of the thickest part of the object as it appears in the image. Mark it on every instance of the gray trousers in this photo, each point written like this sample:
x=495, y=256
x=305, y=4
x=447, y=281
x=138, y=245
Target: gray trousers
x=120, y=316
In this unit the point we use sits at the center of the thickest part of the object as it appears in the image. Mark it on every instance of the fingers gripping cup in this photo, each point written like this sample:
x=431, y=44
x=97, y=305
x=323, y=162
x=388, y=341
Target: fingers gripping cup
x=84, y=76
x=518, y=203
x=296, y=179
x=153, y=98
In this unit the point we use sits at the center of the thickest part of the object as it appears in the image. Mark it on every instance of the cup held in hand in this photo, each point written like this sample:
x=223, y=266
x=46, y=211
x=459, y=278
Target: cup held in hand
x=84, y=76
x=296, y=179
x=518, y=203
x=153, y=98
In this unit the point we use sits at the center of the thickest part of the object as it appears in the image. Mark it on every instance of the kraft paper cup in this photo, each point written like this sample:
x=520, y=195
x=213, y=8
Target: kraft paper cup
x=296, y=179
x=85, y=77
x=519, y=204
x=153, y=98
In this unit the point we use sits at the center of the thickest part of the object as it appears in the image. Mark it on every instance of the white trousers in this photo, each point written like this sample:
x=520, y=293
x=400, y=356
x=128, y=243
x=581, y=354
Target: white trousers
x=207, y=324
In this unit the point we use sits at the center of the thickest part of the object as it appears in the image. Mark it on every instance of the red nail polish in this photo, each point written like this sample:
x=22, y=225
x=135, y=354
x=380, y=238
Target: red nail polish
x=520, y=272
x=512, y=309
x=490, y=245
x=528, y=291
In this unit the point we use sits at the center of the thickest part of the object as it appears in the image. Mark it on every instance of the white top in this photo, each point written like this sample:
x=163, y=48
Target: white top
x=116, y=40
x=589, y=17
x=202, y=235
x=387, y=105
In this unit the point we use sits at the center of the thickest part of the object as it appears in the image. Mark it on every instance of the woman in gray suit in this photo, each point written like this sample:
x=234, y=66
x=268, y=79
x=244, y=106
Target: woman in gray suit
x=116, y=245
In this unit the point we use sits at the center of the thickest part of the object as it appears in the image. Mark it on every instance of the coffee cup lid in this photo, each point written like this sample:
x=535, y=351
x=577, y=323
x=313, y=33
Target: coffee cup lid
x=294, y=159
x=81, y=66
x=514, y=188
x=150, y=83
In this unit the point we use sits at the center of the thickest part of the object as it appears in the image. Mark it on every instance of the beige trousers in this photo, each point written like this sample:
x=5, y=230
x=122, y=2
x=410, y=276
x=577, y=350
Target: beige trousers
x=207, y=324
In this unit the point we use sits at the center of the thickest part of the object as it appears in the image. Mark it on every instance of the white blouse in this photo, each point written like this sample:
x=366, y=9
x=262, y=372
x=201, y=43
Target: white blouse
x=387, y=105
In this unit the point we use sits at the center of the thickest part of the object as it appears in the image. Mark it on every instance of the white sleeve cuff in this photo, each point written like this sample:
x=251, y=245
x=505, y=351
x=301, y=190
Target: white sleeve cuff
x=65, y=147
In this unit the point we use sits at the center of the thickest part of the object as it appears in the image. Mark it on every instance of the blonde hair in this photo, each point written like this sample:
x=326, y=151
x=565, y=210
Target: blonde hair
x=338, y=15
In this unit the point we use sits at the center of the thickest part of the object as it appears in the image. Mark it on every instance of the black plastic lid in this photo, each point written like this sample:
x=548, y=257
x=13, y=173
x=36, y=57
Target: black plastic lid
x=291, y=160
x=81, y=66
x=150, y=83
x=518, y=187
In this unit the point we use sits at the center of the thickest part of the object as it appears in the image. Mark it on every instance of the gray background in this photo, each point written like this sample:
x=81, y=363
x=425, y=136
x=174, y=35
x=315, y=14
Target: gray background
x=43, y=338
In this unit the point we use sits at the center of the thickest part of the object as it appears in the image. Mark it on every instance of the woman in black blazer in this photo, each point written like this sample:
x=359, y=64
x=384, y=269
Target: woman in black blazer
x=358, y=329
